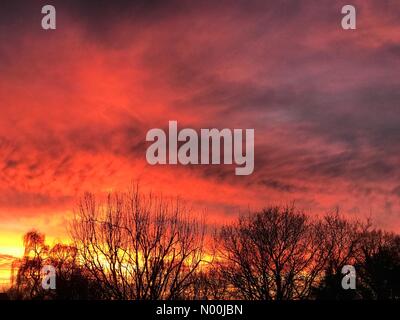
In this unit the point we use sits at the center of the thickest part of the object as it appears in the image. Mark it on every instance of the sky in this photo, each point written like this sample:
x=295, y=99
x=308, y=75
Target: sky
x=76, y=104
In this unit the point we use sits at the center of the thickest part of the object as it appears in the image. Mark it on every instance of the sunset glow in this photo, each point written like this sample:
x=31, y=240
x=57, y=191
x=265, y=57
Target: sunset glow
x=76, y=105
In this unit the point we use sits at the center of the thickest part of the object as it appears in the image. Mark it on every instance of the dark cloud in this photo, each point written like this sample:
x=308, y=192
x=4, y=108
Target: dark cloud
x=282, y=186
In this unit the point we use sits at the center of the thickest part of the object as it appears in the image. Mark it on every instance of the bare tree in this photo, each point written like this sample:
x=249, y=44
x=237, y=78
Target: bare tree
x=27, y=282
x=343, y=238
x=71, y=279
x=73, y=282
x=378, y=265
x=138, y=246
x=342, y=244
x=272, y=255
x=208, y=284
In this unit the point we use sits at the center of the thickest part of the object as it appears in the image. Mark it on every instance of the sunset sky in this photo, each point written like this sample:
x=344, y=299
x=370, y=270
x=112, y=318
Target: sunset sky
x=76, y=103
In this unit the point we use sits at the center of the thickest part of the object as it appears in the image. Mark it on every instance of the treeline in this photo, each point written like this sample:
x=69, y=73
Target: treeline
x=135, y=246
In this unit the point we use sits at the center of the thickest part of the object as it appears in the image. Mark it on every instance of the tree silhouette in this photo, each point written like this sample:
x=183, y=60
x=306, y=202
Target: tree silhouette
x=137, y=246
x=71, y=279
x=343, y=239
x=275, y=254
x=28, y=278
x=379, y=265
